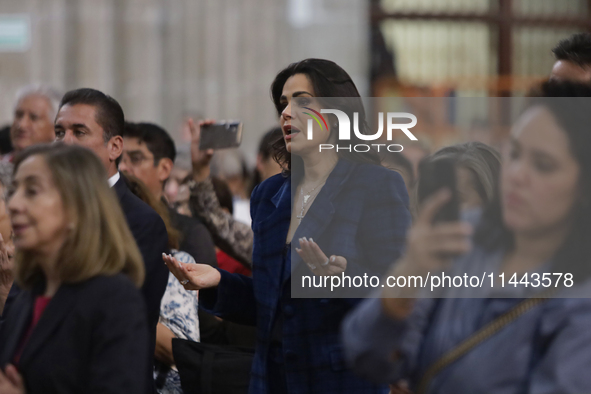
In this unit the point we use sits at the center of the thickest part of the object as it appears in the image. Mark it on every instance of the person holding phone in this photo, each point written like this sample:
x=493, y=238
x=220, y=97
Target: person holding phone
x=347, y=210
x=470, y=170
x=539, y=223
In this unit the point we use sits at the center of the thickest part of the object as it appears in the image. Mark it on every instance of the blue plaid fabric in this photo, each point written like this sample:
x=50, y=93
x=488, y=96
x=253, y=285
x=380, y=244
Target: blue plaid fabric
x=359, y=205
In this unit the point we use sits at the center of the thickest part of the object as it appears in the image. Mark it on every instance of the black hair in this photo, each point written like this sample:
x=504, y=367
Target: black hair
x=568, y=103
x=267, y=152
x=157, y=140
x=398, y=162
x=109, y=114
x=5, y=141
x=576, y=49
x=266, y=144
x=328, y=80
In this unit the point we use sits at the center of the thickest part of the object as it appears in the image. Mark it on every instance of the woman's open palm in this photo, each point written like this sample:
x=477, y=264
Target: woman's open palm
x=193, y=276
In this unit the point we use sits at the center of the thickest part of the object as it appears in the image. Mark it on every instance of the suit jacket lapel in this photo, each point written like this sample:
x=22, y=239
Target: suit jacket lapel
x=321, y=211
x=50, y=320
x=282, y=202
x=120, y=187
x=14, y=326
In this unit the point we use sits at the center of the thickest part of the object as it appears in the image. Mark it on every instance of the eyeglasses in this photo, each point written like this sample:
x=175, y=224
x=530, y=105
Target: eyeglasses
x=134, y=159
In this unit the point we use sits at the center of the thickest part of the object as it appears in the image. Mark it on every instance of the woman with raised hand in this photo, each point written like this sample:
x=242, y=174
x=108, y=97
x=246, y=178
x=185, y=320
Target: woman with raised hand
x=526, y=338
x=349, y=215
x=79, y=325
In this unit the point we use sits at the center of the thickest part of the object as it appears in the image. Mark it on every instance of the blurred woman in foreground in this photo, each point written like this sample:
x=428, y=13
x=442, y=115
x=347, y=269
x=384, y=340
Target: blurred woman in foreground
x=79, y=326
x=503, y=339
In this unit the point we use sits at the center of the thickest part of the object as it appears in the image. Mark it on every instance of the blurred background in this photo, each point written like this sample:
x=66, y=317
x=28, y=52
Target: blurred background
x=164, y=60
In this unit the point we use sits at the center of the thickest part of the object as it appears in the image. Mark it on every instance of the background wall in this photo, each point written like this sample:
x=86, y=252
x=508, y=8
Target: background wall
x=162, y=59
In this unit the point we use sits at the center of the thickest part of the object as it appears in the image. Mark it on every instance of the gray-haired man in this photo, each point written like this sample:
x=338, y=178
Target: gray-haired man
x=34, y=114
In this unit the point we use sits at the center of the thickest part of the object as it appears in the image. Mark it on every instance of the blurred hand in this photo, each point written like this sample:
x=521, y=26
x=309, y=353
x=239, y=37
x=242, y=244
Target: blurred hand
x=401, y=387
x=199, y=158
x=317, y=261
x=6, y=266
x=430, y=247
x=192, y=276
x=11, y=381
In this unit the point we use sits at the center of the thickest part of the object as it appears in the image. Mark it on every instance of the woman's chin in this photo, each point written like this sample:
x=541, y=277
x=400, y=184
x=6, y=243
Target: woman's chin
x=23, y=245
x=25, y=242
x=302, y=149
x=516, y=224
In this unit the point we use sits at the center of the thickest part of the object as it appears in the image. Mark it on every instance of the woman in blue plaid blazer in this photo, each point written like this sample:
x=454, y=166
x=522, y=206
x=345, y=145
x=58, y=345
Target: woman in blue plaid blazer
x=349, y=216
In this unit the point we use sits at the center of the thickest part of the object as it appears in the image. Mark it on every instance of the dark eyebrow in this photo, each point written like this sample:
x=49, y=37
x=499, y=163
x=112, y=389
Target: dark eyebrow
x=135, y=152
x=80, y=126
x=296, y=94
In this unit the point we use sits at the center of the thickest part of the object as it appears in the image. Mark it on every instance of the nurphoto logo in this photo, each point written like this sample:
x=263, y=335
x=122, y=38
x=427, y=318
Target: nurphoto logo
x=345, y=129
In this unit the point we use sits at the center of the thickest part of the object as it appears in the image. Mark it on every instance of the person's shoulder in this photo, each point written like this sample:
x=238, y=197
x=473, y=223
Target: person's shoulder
x=379, y=183
x=110, y=291
x=274, y=182
x=269, y=186
x=138, y=213
x=106, y=296
x=573, y=311
x=186, y=223
x=374, y=173
x=132, y=203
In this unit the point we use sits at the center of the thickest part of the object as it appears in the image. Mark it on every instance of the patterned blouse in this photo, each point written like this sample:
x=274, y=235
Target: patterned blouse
x=231, y=236
x=178, y=312
x=178, y=309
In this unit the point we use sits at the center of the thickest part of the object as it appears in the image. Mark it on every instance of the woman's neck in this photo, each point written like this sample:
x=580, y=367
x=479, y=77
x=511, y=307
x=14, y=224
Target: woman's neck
x=532, y=250
x=318, y=166
x=51, y=286
x=52, y=278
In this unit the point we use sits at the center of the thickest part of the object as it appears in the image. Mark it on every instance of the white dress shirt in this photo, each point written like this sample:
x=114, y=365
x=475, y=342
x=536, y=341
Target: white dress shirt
x=113, y=180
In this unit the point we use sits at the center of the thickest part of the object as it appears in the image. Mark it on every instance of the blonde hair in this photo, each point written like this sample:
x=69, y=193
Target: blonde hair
x=100, y=242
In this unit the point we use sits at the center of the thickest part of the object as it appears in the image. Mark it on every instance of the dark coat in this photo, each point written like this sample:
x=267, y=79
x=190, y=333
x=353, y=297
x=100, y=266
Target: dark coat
x=91, y=338
x=151, y=237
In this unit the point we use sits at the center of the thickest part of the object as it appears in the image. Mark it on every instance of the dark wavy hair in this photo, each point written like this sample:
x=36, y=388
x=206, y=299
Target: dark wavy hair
x=329, y=80
x=569, y=103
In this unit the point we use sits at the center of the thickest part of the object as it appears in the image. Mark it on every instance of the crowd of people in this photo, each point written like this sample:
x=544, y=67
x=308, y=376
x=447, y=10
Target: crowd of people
x=113, y=248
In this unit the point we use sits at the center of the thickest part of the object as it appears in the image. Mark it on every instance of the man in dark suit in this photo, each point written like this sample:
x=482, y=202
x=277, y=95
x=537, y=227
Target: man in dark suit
x=94, y=120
